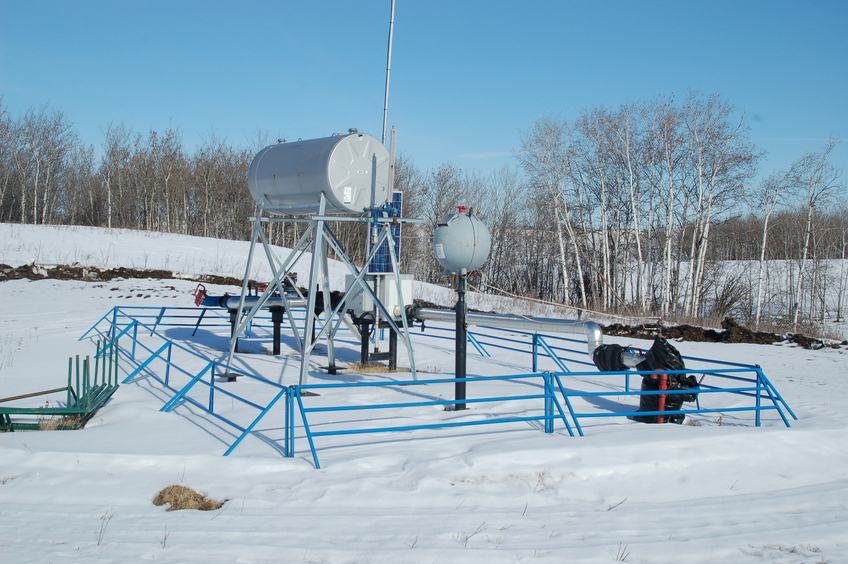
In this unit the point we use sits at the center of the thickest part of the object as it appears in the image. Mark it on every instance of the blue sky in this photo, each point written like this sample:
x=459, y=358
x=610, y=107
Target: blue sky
x=467, y=75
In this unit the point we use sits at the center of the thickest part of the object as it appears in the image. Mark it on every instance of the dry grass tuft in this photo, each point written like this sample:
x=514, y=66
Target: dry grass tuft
x=373, y=368
x=56, y=422
x=48, y=423
x=183, y=497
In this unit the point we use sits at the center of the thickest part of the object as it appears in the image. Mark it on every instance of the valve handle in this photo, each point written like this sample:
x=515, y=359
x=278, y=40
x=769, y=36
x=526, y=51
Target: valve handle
x=199, y=294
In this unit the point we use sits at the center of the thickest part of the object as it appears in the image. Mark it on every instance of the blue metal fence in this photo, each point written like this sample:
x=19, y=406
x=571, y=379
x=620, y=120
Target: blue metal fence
x=181, y=362
x=749, y=384
x=562, y=394
x=550, y=411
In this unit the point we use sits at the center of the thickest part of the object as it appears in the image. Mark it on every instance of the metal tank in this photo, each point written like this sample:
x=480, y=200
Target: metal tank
x=351, y=171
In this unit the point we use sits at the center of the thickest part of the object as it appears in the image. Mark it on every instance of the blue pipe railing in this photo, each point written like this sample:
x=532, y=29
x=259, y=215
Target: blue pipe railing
x=559, y=401
x=551, y=407
x=121, y=323
x=758, y=386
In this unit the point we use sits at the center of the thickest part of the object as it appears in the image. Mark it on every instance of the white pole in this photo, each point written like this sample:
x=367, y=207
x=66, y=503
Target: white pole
x=388, y=73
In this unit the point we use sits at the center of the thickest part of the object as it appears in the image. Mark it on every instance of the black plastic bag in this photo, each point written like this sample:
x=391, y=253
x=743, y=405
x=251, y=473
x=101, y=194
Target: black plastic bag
x=663, y=356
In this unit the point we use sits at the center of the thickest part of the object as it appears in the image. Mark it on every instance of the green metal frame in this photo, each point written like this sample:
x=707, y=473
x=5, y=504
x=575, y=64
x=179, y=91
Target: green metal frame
x=87, y=391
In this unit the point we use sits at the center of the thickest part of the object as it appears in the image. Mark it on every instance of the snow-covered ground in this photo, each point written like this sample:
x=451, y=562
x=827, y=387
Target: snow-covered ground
x=625, y=492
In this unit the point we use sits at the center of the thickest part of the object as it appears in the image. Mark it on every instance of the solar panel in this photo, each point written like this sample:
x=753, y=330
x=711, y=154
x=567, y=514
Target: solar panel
x=382, y=262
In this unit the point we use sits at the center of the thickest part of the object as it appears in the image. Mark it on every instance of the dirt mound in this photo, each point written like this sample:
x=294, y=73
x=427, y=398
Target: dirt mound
x=76, y=272
x=220, y=280
x=731, y=332
x=183, y=497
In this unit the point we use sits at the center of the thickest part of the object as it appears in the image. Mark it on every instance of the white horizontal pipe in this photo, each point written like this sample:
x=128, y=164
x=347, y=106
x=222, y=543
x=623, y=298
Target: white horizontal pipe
x=232, y=302
x=592, y=331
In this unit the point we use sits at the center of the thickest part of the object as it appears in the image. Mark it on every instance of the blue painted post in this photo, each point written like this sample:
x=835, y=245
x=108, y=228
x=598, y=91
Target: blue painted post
x=114, y=323
x=289, y=423
x=760, y=385
x=535, y=365
x=306, y=429
x=158, y=320
x=199, y=319
x=212, y=387
x=115, y=350
x=549, y=403
x=135, y=339
x=168, y=364
x=565, y=398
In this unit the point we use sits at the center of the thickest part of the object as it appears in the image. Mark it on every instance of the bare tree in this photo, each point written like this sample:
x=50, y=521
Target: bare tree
x=773, y=191
x=624, y=127
x=7, y=164
x=665, y=131
x=722, y=160
x=819, y=181
x=592, y=171
x=544, y=158
x=44, y=141
x=114, y=164
x=504, y=212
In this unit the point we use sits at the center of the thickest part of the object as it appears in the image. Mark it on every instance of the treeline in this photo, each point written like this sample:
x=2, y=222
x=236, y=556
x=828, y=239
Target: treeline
x=651, y=209
x=645, y=209
x=138, y=181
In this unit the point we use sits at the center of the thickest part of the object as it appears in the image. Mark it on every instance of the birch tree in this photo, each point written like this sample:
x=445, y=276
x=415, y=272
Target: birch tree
x=544, y=158
x=773, y=191
x=44, y=141
x=624, y=128
x=114, y=164
x=722, y=160
x=591, y=171
x=7, y=141
x=819, y=180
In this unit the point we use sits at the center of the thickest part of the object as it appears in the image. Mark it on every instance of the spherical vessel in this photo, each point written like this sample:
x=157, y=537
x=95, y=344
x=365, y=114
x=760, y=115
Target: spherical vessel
x=351, y=171
x=461, y=243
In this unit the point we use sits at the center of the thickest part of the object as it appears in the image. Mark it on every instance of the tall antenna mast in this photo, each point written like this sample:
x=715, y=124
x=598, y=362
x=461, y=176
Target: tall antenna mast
x=388, y=73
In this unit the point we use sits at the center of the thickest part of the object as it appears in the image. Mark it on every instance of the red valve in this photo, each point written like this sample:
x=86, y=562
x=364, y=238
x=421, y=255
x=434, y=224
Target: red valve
x=199, y=294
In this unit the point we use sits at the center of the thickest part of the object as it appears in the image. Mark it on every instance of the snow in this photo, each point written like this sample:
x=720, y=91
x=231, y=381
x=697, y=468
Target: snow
x=626, y=491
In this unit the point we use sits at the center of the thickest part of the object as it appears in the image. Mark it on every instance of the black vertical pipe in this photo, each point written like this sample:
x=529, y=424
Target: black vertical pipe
x=277, y=320
x=364, y=335
x=461, y=342
x=392, y=349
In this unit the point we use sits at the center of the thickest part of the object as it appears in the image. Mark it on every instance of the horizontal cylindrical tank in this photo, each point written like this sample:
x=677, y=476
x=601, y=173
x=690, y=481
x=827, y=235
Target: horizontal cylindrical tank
x=351, y=171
